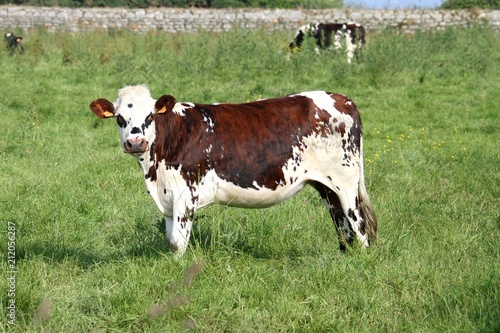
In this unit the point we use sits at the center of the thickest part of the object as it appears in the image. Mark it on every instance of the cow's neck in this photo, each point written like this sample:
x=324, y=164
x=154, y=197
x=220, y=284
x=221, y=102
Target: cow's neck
x=147, y=164
x=145, y=160
x=168, y=145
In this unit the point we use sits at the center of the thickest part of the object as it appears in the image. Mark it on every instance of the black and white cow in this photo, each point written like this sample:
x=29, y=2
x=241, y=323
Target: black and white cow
x=353, y=33
x=13, y=42
x=252, y=155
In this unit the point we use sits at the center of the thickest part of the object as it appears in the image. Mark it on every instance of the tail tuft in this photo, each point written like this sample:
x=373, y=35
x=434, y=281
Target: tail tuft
x=368, y=214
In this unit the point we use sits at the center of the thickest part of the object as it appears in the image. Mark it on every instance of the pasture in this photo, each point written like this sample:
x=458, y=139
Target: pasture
x=90, y=253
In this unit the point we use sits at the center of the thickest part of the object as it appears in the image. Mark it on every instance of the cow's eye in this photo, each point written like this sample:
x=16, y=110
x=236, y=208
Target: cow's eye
x=121, y=122
x=130, y=105
x=149, y=120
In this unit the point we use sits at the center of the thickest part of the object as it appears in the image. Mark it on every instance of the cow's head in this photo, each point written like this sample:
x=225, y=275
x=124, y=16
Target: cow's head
x=134, y=113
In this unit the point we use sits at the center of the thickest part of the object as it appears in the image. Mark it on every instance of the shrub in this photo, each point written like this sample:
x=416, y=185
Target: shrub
x=463, y=4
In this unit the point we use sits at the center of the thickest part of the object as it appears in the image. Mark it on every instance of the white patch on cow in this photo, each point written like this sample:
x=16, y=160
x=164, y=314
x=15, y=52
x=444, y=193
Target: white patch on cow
x=319, y=167
x=332, y=172
x=210, y=124
x=169, y=181
x=180, y=108
x=351, y=47
x=296, y=154
x=308, y=29
x=325, y=102
x=208, y=150
x=337, y=39
x=213, y=189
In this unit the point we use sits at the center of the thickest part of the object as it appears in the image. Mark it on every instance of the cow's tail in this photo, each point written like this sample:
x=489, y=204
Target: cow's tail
x=365, y=206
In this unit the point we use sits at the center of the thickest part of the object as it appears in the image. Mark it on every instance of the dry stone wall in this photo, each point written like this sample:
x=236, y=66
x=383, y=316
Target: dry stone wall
x=215, y=20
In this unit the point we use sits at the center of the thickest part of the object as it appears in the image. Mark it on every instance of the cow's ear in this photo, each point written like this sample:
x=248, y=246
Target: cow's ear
x=102, y=108
x=165, y=103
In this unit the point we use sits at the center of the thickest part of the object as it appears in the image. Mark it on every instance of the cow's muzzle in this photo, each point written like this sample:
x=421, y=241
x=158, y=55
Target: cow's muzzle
x=134, y=146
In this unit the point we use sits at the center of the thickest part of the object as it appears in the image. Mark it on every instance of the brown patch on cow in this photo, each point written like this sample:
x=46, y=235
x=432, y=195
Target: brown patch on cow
x=346, y=106
x=340, y=129
x=324, y=121
x=151, y=173
x=245, y=144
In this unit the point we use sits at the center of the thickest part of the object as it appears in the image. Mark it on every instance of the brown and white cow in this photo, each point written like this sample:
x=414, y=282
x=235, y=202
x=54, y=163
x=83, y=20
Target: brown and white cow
x=354, y=34
x=255, y=154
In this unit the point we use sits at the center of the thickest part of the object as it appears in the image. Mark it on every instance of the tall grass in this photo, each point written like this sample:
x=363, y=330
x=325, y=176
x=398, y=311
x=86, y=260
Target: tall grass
x=90, y=249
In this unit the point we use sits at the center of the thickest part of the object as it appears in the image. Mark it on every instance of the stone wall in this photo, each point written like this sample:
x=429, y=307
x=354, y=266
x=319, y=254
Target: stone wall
x=192, y=20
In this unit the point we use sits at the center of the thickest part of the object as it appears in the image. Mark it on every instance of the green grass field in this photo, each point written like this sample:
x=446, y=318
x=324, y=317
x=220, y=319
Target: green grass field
x=90, y=254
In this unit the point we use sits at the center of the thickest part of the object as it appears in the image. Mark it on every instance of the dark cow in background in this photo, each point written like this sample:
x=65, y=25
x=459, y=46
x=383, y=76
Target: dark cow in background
x=252, y=155
x=353, y=33
x=13, y=42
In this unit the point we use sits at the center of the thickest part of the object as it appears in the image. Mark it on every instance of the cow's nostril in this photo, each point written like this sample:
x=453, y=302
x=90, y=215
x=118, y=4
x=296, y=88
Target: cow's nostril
x=135, y=145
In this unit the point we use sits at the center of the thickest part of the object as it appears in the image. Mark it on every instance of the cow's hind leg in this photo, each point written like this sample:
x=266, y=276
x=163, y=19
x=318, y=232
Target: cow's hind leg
x=344, y=209
x=342, y=225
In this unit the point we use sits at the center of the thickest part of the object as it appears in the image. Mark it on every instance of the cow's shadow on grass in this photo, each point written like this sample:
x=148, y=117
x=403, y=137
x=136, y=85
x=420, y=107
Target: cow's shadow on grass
x=143, y=242
x=211, y=239
x=232, y=237
x=150, y=241
x=216, y=237
x=224, y=237
x=59, y=253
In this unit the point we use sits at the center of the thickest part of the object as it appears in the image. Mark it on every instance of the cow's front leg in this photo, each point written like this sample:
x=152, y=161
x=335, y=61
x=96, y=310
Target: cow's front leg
x=178, y=229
